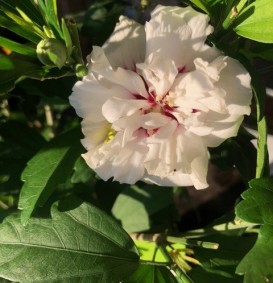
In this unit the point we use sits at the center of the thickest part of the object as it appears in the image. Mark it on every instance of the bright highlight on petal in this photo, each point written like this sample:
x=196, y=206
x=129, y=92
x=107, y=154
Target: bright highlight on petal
x=156, y=97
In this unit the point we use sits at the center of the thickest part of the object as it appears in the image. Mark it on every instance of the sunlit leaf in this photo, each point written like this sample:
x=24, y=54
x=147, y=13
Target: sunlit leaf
x=28, y=7
x=135, y=206
x=202, y=5
x=49, y=11
x=256, y=22
x=80, y=244
x=26, y=32
x=32, y=27
x=17, y=47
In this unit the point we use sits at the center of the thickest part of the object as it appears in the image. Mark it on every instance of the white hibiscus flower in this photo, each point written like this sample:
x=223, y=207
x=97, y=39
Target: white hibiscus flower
x=156, y=97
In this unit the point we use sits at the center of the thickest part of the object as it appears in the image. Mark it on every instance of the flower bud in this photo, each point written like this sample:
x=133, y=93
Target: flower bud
x=51, y=52
x=81, y=71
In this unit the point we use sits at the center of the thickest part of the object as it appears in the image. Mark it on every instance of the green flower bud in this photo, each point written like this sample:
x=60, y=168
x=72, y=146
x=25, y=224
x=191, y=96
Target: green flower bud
x=52, y=52
x=81, y=71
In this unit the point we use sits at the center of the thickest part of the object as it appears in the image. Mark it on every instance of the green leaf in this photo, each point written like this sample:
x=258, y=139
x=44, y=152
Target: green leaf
x=151, y=274
x=48, y=9
x=259, y=91
x=259, y=94
x=82, y=173
x=67, y=38
x=31, y=27
x=256, y=22
x=135, y=206
x=51, y=6
x=13, y=70
x=18, y=144
x=17, y=47
x=201, y=4
x=25, y=33
x=74, y=35
x=49, y=168
x=257, y=206
x=100, y=18
x=261, y=51
x=219, y=265
x=16, y=132
x=238, y=151
x=80, y=244
x=47, y=89
x=28, y=7
x=257, y=265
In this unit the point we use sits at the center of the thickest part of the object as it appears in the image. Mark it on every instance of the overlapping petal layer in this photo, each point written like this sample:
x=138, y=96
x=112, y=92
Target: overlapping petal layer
x=156, y=97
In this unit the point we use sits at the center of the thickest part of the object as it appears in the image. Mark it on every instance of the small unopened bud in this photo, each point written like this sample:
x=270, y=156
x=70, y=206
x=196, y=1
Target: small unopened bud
x=51, y=52
x=81, y=71
x=144, y=3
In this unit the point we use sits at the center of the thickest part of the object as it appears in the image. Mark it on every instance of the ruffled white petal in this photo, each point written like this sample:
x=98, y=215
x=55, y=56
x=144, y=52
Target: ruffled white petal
x=158, y=75
x=126, y=46
x=176, y=157
x=116, y=108
x=98, y=91
x=176, y=33
x=235, y=80
x=124, y=164
x=128, y=79
x=94, y=133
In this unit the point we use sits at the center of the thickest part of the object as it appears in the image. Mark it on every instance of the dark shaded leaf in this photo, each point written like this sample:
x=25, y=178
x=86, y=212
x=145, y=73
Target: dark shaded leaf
x=48, y=90
x=100, y=19
x=219, y=265
x=257, y=265
x=151, y=274
x=19, y=143
x=50, y=167
x=13, y=70
x=82, y=173
x=257, y=206
x=238, y=151
x=16, y=69
x=16, y=132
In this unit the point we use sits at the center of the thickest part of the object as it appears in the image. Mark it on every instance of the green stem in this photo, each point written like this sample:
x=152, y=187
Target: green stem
x=234, y=10
x=184, y=278
x=77, y=53
x=259, y=91
x=144, y=262
x=187, y=242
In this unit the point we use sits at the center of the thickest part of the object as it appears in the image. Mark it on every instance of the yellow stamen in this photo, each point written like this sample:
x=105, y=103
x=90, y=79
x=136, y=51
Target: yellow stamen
x=110, y=135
